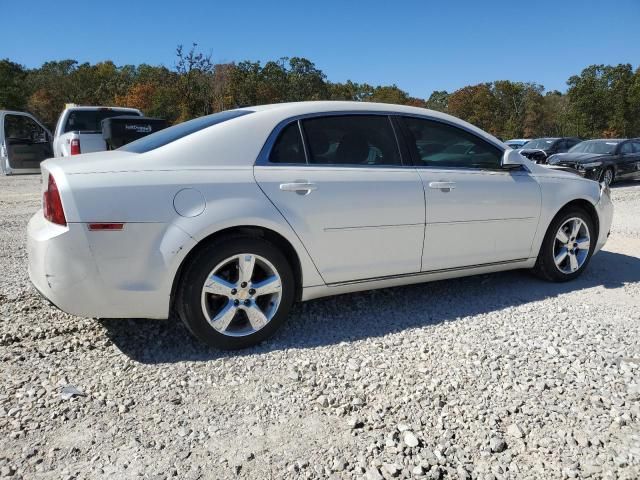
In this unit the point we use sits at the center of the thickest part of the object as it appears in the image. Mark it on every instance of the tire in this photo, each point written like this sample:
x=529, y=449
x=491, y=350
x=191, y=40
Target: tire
x=546, y=266
x=607, y=173
x=202, y=298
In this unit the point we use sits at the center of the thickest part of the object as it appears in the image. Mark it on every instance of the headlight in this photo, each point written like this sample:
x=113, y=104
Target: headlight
x=589, y=165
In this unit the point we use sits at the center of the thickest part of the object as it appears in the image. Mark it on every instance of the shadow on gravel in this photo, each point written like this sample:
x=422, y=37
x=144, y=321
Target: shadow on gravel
x=352, y=317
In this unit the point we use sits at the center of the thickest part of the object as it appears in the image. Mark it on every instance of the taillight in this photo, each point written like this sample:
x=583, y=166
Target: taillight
x=75, y=146
x=52, y=204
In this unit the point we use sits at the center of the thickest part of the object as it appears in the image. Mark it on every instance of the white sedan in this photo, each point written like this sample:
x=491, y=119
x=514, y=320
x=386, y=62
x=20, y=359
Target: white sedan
x=230, y=218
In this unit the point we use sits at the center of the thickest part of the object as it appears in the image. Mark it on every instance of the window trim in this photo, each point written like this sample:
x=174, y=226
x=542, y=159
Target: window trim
x=416, y=163
x=406, y=154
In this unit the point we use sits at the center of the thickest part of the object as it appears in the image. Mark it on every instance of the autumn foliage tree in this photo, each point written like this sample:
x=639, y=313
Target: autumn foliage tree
x=603, y=100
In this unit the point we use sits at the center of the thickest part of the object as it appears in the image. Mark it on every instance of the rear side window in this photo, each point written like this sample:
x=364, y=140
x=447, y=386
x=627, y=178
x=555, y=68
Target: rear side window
x=171, y=134
x=351, y=140
x=437, y=144
x=288, y=147
x=89, y=120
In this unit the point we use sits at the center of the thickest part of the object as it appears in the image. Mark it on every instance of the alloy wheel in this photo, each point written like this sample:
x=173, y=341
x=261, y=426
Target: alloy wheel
x=607, y=177
x=241, y=295
x=571, y=245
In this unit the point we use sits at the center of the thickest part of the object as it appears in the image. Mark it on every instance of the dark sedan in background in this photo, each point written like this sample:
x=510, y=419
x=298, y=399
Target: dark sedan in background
x=540, y=149
x=604, y=160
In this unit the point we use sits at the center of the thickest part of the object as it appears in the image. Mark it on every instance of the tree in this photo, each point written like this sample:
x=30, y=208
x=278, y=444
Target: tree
x=438, y=100
x=477, y=105
x=195, y=84
x=13, y=94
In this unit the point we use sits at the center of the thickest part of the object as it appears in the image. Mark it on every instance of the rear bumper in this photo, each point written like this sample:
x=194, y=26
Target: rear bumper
x=91, y=274
x=62, y=269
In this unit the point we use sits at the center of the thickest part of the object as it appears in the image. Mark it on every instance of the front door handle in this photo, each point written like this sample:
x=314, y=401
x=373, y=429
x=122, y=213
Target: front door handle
x=301, y=188
x=444, y=186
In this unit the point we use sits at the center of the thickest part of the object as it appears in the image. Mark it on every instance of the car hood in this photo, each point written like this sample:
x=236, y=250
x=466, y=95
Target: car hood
x=576, y=157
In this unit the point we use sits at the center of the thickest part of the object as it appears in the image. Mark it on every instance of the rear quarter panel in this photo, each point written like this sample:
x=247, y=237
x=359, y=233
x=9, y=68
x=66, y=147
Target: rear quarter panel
x=147, y=254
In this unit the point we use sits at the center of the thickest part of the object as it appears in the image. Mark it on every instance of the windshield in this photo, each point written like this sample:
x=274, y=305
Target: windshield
x=89, y=120
x=595, y=146
x=171, y=134
x=540, y=143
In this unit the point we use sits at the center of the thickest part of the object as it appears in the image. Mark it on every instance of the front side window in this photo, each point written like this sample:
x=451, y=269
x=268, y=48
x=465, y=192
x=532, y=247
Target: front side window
x=437, y=144
x=20, y=128
x=626, y=148
x=351, y=140
x=288, y=148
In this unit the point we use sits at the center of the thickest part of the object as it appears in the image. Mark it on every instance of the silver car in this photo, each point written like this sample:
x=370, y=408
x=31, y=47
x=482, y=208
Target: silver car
x=231, y=218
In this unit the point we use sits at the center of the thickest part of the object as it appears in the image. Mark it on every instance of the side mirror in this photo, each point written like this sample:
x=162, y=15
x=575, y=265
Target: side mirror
x=511, y=159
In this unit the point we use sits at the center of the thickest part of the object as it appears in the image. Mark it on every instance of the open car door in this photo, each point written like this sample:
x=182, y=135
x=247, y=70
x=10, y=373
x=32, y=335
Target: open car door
x=24, y=143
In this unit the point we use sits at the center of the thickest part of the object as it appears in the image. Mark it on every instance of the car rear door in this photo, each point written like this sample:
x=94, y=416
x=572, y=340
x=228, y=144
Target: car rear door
x=477, y=213
x=358, y=209
x=24, y=143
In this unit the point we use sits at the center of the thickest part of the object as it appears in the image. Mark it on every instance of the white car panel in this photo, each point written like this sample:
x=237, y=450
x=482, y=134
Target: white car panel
x=350, y=229
x=485, y=217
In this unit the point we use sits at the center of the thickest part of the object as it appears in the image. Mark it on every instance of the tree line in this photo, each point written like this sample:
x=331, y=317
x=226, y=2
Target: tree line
x=601, y=101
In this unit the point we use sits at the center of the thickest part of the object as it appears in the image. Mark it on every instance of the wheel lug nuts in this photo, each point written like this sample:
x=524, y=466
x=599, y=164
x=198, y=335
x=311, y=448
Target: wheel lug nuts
x=243, y=284
x=252, y=291
x=233, y=291
x=247, y=302
x=236, y=302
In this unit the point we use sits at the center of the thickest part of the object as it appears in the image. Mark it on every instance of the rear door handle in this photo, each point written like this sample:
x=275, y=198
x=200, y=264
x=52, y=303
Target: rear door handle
x=445, y=186
x=301, y=188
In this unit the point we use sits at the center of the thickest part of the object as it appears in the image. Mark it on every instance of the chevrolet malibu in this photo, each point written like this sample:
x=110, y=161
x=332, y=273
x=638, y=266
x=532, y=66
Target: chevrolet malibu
x=230, y=218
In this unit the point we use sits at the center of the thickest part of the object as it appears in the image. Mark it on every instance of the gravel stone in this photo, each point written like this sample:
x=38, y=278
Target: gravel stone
x=410, y=439
x=490, y=377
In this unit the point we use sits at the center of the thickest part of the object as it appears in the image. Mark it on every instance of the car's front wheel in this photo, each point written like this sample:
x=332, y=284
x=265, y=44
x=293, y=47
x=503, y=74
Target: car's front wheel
x=567, y=246
x=235, y=292
x=607, y=176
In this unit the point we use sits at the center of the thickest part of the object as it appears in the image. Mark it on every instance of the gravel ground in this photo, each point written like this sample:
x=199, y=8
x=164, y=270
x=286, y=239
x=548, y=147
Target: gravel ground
x=496, y=376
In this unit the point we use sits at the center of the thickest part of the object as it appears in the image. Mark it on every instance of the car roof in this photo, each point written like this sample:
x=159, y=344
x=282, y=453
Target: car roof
x=92, y=108
x=283, y=111
x=323, y=106
x=607, y=140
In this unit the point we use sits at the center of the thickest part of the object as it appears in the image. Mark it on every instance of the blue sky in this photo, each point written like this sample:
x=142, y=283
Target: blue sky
x=419, y=45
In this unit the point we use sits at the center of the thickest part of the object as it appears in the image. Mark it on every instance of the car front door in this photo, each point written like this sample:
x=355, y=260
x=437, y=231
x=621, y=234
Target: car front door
x=344, y=189
x=477, y=212
x=24, y=143
x=627, y=160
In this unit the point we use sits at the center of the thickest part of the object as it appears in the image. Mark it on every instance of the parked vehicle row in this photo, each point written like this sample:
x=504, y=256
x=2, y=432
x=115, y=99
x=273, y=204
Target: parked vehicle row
x=603, y=160
x=229, y=219
x=25, y=142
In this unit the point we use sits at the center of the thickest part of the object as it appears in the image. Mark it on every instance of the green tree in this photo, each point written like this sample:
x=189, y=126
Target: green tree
x=439, y=101
x=13, y=94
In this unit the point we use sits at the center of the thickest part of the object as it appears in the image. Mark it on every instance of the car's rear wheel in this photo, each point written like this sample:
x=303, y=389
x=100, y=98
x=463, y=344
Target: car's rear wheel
x=235, y=292
x=607, y=176
x=567, y=246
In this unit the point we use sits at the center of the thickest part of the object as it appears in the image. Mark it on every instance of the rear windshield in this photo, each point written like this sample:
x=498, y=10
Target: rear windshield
x=171, y=134
x=89, y=120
